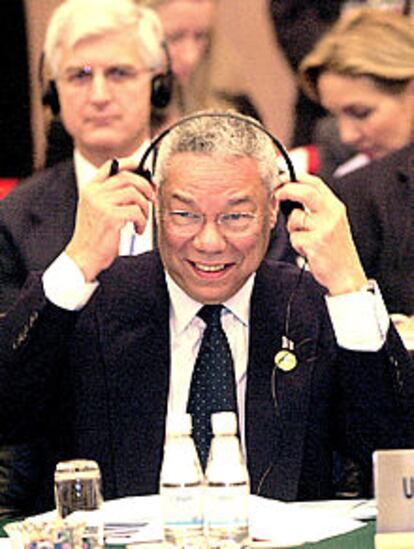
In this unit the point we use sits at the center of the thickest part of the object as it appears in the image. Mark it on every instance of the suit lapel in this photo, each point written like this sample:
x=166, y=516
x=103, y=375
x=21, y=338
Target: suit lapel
x=277, y=402
x=135, y=342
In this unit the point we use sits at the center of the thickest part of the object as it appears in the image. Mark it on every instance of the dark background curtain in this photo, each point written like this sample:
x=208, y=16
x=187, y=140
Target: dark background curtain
x=15, y=125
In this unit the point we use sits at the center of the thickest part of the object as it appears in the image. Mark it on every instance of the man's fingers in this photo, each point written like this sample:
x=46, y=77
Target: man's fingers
x=134, y=214
x=122, y=180
x=309, y=190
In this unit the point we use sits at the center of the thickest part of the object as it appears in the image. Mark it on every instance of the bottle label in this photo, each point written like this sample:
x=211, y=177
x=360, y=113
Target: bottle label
x=182, y=506
x=227, y=506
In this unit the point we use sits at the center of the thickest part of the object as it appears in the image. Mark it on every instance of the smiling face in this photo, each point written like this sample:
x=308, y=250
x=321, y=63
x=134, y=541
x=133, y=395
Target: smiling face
x=372, y=121
x=187, y=26
x=106, y=110
x=209, y=262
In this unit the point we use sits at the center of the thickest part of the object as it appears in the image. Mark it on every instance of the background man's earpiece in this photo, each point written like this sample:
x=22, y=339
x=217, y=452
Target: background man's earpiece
x=50, y=97
x=161, y=90
x=48, y=88
x=162, y=84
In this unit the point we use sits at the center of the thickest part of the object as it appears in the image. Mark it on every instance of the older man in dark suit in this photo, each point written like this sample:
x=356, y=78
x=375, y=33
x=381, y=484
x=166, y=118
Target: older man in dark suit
x=98, y=349
x=106, y=61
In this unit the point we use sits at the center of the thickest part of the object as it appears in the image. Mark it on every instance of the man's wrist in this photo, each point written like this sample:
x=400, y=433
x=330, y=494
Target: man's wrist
x=360, y=319
x=348, y=286
x=89, y=274
x=65, y=286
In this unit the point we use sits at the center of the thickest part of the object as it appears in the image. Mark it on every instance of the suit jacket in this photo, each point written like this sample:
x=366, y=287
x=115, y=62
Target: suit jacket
x=380, y=203
x=36, y=223
x=94, y=384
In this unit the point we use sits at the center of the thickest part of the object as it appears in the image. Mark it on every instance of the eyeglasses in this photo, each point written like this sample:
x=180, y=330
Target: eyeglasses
x=189, y=223
x=117, y=75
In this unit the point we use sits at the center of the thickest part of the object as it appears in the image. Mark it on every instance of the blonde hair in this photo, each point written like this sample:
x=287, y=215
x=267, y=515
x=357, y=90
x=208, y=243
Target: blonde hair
x=75, y=20
x=364, y=42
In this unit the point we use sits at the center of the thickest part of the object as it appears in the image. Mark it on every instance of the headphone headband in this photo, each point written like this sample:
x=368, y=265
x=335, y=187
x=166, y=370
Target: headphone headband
x=286, y=207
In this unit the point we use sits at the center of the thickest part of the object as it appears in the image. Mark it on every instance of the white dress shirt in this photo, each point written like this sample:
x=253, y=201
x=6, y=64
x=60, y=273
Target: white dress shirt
x=186, y=331
x=130, y=242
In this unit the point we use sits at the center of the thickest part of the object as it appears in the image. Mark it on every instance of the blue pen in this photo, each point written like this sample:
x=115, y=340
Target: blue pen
x=132, y=244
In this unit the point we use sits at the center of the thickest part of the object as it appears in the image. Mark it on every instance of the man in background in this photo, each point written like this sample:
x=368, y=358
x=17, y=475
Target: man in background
x=108, y=67
x=105, y=59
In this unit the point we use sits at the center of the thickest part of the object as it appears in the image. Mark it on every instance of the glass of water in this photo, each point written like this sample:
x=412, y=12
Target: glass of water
x=78, y=489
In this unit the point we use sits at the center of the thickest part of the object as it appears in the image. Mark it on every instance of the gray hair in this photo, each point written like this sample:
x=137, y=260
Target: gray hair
x=75, y=20
x=223, y=134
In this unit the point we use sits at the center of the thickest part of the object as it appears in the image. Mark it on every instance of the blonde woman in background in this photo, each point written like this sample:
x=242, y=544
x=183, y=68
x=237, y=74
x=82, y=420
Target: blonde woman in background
x=361, y=71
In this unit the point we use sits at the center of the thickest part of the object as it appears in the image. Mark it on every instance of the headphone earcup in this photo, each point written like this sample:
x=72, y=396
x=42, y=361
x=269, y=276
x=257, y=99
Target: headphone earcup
x=161, y=90
x=50, y=97
x=145, y=173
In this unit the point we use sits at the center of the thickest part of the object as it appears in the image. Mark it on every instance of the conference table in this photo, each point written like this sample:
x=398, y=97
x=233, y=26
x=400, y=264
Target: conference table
x=363, y=538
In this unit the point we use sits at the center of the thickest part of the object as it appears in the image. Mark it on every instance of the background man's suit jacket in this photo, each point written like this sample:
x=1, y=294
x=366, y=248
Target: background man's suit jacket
x=96, y=384
x=36, y=223
x=380, y=203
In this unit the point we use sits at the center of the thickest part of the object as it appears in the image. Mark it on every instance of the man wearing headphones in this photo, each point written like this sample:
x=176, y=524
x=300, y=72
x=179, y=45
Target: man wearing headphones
x=99, y=349
x=108, y=66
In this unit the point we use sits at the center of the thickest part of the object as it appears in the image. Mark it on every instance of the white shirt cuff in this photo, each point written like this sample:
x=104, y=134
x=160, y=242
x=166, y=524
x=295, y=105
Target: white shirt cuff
x=65, y=285
x=360, y=319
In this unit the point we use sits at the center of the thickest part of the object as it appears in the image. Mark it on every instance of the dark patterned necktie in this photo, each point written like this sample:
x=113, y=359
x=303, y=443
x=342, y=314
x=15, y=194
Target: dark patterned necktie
x=213, y=382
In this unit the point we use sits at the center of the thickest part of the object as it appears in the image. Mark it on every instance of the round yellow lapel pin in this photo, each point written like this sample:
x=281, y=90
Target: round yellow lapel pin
x=285, y=360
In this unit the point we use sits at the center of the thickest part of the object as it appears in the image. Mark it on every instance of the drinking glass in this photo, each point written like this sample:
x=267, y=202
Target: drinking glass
x=78, y=489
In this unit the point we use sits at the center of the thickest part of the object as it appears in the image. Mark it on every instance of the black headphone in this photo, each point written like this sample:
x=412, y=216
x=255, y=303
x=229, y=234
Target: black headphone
x=286, y=206
x=161, y=86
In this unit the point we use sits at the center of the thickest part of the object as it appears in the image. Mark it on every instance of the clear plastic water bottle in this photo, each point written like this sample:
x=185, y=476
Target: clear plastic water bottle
x=226, y=506
x=182, y=486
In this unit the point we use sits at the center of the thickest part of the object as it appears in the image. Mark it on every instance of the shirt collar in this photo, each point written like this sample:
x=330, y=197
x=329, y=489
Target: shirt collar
x=184, y=308
x=85, y=170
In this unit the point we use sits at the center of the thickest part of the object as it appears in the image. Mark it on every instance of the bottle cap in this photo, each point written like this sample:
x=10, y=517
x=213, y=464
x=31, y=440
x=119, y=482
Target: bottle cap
x=179, y=424
x=224, y=423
